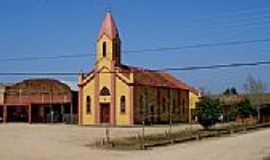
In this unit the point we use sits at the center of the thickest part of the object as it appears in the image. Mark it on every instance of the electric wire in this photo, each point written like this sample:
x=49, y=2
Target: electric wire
x=189, y=68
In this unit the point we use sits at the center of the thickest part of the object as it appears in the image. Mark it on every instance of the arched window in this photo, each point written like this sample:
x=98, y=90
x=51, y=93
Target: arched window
x=104, y=49
x=105, y=92
x=123, y=104
x=88, y=105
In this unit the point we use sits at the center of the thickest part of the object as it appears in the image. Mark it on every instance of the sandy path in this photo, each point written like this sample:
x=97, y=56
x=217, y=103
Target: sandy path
x=61, y=142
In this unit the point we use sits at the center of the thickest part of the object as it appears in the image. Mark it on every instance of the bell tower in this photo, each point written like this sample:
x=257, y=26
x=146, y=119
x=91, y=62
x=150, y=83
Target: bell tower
x=108, y=42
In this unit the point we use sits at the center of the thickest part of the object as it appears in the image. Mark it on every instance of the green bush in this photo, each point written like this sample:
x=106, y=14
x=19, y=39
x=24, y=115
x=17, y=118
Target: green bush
x=208, y=111
x=244, y=109
x=233, y=114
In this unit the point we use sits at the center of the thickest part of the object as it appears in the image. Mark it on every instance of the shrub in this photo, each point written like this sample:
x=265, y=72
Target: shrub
x=208, y=111
x=245, y=109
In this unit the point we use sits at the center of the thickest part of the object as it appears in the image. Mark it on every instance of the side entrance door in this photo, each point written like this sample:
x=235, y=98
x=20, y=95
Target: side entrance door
x=105, y=113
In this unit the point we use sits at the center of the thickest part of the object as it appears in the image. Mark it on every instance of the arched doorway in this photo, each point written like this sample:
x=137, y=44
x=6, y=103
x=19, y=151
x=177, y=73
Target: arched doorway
x=105, y=106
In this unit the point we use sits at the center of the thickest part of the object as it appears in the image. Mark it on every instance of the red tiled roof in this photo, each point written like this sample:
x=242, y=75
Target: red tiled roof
x=154, y=78
x=108, y=27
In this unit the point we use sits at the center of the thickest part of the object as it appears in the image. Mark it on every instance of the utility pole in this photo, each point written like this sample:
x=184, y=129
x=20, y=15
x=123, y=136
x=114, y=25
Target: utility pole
x=143, y=120
x=258, y=108
x=51, y=107
x=170, y=112
x=71, y=110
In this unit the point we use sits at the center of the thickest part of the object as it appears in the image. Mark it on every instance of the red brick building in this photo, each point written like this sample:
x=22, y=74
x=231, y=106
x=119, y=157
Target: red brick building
x=36, y=101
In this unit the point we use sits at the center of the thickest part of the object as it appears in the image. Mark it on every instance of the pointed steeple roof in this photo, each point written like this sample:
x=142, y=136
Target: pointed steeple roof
x=108, y=27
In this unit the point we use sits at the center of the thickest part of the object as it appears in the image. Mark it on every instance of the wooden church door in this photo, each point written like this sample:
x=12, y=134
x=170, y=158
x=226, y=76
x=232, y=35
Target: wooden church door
x=105, y=113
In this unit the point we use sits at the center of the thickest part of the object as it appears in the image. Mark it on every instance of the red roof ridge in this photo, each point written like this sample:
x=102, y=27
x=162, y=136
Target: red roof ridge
x=177, y=82
x=156, y=78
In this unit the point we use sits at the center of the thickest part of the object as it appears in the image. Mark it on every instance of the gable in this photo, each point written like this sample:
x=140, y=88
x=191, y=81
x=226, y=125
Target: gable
x=88, y=78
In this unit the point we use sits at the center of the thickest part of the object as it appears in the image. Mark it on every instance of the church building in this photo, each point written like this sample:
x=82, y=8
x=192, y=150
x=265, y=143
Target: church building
x=122, y=95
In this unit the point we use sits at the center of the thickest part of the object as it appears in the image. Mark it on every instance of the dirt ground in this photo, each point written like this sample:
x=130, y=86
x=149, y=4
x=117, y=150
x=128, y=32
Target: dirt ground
x=64, y=142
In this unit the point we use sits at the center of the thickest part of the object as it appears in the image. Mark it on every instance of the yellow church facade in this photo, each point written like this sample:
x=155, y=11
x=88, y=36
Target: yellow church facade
x=121, y=95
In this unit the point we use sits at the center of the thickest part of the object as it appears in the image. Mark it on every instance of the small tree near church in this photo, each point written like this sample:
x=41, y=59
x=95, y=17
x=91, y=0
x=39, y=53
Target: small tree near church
x=208, y=112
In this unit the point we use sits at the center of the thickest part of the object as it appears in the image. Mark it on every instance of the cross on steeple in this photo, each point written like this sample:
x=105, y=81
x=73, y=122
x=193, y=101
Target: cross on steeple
x=108, y=5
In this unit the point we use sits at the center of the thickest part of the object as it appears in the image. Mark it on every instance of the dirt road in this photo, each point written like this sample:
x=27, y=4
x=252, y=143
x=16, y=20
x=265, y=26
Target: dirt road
x=62, y=142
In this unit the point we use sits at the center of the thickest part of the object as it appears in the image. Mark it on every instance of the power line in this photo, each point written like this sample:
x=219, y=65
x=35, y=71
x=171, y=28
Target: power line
x=219, y=66
x=224, y=21
x=46, y=57
x=153, y=49
x=193, y=46
x=247, y=14
x=241, y=25
x=201, y=45
x=190, y=68
x=229, y=14
x=229, y=23
x=39, y=74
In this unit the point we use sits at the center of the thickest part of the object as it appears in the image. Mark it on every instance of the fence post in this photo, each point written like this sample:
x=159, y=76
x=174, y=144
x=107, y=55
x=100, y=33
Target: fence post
x=107, y=134
x=171, y=115
x=143, y=134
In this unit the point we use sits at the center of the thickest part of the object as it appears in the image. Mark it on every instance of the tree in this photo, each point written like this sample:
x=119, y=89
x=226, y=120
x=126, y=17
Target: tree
x=208, y=111
x=234, y=91
x=254, y=86
x=255, y=89
x=227, y=92
x=243, y=110
x=230, y=91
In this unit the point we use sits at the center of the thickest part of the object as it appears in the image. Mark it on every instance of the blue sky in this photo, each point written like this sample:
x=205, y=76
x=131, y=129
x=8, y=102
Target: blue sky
x=53, y=28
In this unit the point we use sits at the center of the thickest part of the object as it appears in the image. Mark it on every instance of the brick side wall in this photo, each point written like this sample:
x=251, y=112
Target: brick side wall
x=158, y=102
x=37, y=99
x=37, y=92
